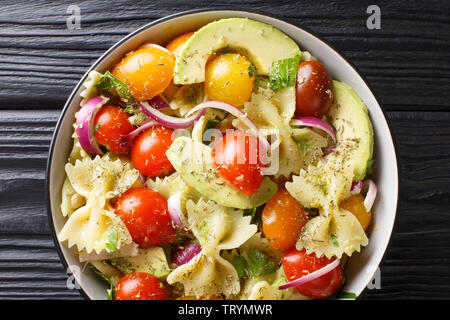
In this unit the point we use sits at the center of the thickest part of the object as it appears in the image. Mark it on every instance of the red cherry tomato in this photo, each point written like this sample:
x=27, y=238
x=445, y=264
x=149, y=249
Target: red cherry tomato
x=110, y=124
x=297, y=264
x=148, y=153
x=140, y=286
x=146, y=216
x=283, y=218
x=314, y=89
x=239, y=161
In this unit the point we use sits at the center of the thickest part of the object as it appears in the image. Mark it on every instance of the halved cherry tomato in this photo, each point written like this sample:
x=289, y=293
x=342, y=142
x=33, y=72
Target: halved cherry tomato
x=283, y=218
x=148, y=153
x=110, y=124
x=297, y=264
x=239, y=160
x=229, y=78
x=146, y=71
x=314, y=89
x=355, y=204
x=140, y=286
x=146, y=216
x=176, y=44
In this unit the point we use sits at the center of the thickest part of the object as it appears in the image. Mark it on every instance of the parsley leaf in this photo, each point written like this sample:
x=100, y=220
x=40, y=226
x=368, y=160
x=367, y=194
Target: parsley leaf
x=258, y=264
x=250, y=212
x=283, y=73
x=240, y=264
x=334, y=240
x=251, y=70
x=111, y=243
x=110, y=291
x=112, y=85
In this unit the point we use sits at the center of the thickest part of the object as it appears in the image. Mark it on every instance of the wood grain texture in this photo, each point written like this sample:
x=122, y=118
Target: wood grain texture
x=407, y=62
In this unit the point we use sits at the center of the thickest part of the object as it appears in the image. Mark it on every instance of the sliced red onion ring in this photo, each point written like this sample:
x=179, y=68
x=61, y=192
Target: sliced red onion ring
x=238, y=113
x=184, y=255
x=371, y=194
x=125, y=139
x=315, y=123
x=356, y=187
x=158, y=102
x=85, y=125
x=175, y=211
x=143, y=178
x=313, y=275
x=169, y=121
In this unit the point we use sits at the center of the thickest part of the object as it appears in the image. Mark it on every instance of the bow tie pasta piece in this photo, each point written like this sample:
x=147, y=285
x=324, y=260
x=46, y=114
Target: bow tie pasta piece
x=335, y=231
x=101, y=176
x=95, y=227
x=89, y=86
x=187, y=97
x=217, y=228
x=261, y=109
x=70, y=200
x=171, y=185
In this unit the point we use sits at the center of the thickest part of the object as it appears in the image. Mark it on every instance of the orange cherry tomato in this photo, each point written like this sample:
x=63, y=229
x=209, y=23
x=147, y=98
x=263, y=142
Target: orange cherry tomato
x=176, y=44
x=110, y=124
x=148, y=153
x=146, y=216
x=314, y=89
x=283, y=218
x=229, y=78
x=146, y=71
x=239, y=161
x=355, y=204
x=297, y=264
x=140, y=286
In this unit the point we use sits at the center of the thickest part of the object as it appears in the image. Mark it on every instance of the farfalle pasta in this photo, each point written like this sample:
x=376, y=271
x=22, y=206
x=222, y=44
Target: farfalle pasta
x=212, y=169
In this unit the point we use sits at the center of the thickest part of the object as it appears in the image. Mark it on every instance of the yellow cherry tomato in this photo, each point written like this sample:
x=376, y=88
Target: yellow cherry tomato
x=146, y=71
x=355, y=204
x=229, y=78
x=176, y=44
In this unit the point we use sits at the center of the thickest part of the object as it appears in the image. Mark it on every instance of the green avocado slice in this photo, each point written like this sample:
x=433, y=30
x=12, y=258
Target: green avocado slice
x=193, y=160
x=350, y=118
x=260, y=42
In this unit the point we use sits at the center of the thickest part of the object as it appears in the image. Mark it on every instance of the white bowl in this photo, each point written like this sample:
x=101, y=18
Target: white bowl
x=362, y=266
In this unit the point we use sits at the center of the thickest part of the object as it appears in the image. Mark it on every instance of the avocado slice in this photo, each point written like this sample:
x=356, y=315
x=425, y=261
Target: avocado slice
x=260, y=42
x=151, y=260
x=194, y=161
x=350, y=118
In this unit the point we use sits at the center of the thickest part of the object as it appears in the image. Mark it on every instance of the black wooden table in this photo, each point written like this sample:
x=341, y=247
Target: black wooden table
x=406, y=62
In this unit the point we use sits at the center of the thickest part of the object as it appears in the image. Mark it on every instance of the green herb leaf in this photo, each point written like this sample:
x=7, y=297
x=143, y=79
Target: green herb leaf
x=251, y=70
x=250, y=212
x=283, y=73
x=334, y=240
x=113, y=237
x=240, y=264
x=112, y=85
x=110, y=291
x=259, y=264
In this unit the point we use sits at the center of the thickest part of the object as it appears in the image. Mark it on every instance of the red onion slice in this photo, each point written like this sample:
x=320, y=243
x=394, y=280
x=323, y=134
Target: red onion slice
x=175, y=211
x=85, y=125
x=329, y=150
x=315, y=123
x=158, y=102
x=356, y=187
x=238, y=113
x=184, y=255
x=371, y=194
x=125, y=139
x=313, y=275
x=169, y=121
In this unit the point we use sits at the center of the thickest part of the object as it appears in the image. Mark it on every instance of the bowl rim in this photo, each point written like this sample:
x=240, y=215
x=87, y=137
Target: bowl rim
x=169, y=17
